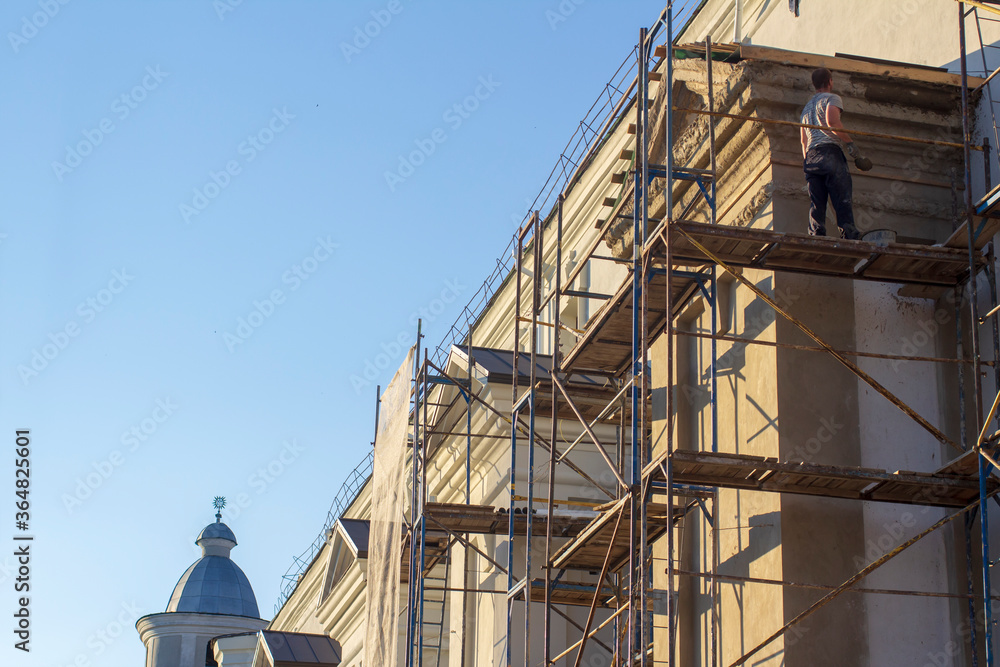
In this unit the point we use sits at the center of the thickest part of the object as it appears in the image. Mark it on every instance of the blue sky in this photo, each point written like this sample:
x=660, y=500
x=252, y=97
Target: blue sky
x=200, y=249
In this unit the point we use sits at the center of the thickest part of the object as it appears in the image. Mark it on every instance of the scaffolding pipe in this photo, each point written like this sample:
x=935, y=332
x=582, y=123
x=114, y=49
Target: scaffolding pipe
x=468, y=501
x=984, y=465
x=514, y=417
x=669, y=361
x=969, y=524
x=554, y=371
x=647, y=573
x=860, y=133
x=516, y=424
x=963, y=430
x=809, y=348
x=861, y=574
x=536, y=286
x=738, y=22
x=423, y=518
x=597, y=590
x=591, y=634
x=635, y=561
x=411, y=581
x=933, y=430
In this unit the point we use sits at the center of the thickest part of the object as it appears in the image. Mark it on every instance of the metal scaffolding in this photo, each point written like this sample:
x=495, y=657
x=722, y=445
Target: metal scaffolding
x=654, y=492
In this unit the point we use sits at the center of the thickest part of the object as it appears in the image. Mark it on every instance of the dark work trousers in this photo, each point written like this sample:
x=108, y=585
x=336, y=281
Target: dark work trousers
x=828, y=178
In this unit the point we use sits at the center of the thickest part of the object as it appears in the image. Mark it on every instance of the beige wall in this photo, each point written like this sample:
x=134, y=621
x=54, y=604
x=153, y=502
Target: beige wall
x=922, y=32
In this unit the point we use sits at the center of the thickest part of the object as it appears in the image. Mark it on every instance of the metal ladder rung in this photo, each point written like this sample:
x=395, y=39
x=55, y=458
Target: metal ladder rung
x=433, y=640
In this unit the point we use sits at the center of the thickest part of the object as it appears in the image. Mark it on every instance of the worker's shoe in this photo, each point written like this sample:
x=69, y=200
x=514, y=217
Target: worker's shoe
x=850, y=233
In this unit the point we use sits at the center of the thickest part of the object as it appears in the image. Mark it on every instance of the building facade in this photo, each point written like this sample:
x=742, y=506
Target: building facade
x=767, y=446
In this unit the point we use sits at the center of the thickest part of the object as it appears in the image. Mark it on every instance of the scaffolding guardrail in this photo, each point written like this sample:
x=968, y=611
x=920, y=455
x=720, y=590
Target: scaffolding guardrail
x=349, y=490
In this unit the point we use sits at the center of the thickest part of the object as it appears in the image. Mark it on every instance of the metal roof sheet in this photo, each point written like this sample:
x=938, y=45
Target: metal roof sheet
x=287, y=649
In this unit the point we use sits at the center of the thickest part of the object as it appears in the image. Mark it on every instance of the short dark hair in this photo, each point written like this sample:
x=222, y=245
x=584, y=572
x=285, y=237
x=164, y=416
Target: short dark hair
x=822, y=77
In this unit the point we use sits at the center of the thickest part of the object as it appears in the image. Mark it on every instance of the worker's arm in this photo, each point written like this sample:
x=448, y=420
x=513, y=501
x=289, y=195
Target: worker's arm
x=804, y=138
x=833, y=121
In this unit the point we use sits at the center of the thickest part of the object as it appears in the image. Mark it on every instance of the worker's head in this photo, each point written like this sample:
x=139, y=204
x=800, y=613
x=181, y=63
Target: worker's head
x=822, y=79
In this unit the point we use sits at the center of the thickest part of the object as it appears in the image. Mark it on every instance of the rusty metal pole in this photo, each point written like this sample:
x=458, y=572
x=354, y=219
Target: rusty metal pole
x=984, y=465
x=536, y=286
x=668, y=327
x=552, y=439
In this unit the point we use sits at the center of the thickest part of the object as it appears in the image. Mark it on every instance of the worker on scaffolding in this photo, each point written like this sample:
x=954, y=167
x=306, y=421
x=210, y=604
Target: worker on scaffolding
x=824, y=162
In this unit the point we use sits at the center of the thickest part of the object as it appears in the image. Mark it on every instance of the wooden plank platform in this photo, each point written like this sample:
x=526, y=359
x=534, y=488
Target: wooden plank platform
x=483, y=520
x=588, y=550
x=487, y=520
x=987, y=206
x=984, y=229
x=567, y=593
x=606, y=345
x=591, y=394
x=950, y=486
x=435, y=553
x=800, y=253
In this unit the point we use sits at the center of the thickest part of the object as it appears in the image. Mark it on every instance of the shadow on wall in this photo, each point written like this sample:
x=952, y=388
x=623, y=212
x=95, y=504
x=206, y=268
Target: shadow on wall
x=762, y=539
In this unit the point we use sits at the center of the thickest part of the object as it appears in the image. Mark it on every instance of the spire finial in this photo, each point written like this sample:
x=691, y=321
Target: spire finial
x=219, y=503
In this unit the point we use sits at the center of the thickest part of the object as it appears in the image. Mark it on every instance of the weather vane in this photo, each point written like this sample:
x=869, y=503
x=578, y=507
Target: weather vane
x=219, y=503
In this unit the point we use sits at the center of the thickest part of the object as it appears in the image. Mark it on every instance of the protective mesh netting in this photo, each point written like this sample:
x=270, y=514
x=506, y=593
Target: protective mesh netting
x=389, y=491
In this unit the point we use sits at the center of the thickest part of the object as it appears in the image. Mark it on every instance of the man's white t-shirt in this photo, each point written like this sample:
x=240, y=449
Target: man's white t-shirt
x=814, y=113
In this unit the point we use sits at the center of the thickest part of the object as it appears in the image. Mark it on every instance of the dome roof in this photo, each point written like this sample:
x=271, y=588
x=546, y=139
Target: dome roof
x=214, y=585
x=217, y=530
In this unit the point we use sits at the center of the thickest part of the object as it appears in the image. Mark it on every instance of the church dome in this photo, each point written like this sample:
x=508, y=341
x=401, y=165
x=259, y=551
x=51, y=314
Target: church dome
x=214, y=584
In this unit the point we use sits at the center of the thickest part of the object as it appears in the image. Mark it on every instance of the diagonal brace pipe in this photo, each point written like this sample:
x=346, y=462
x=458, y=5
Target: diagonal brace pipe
x=597, y=591
x=872, y=382
x=522, y=428
x=859, y=576
x=466, y=543
x=590, y=431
